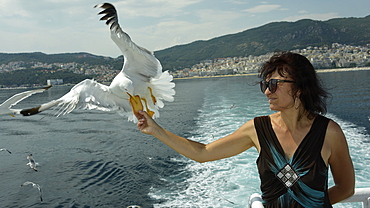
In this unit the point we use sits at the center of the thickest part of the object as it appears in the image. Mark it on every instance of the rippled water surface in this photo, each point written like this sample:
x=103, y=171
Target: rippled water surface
x=98, y=159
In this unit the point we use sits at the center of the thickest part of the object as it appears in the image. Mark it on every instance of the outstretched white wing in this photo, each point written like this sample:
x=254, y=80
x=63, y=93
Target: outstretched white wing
x=87, y=94
x=90, y=95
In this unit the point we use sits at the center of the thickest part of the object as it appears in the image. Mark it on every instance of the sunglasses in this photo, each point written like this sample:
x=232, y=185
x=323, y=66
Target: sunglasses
x=272, y=84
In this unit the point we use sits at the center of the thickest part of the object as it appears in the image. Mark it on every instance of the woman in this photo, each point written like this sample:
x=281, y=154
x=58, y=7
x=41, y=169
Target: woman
x=296, y=144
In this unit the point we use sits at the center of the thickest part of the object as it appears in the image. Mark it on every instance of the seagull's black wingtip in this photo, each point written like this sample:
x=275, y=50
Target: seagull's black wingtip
x=31, y=111
x=104, y=5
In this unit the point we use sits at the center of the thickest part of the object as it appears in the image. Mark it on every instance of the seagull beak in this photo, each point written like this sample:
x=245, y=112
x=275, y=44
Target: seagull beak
x=11, y=115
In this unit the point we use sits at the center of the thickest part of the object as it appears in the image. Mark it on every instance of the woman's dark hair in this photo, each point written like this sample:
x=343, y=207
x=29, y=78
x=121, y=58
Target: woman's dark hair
x=312, y=95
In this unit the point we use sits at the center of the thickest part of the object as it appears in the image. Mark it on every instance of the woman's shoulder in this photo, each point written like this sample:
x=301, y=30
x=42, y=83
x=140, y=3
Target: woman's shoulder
x=335, y=137
x=334, y=129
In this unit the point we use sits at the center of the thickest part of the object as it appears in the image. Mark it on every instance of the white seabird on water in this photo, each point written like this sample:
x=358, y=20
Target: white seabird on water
x=3, y=149
x=31, y=162
x=5, y=107
x=141, y=84
x=34, y=185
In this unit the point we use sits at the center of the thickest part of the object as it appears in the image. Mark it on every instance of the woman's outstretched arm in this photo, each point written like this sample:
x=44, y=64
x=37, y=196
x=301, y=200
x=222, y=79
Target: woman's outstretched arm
x=233, y=144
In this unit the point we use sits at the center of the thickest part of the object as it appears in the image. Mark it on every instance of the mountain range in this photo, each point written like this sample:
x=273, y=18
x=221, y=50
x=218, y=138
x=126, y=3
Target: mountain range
x=268, y=38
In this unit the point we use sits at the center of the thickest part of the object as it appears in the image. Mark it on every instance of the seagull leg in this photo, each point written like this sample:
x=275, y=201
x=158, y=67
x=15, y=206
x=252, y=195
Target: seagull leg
x=136, y=104
x=151, y=94
x=151, y=113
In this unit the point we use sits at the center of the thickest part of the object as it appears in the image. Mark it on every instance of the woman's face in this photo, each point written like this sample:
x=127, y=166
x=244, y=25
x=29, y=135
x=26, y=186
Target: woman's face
x=282, y=98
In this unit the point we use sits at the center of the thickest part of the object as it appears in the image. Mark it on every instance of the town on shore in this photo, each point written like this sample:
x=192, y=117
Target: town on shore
x=323, y=58
x=330, y=58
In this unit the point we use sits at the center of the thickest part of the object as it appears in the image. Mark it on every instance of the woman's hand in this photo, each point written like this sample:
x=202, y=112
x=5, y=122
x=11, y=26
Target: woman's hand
x=146, y=124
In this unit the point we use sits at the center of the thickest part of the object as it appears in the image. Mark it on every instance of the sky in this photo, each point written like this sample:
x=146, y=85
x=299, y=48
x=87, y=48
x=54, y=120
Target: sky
x=68, y=26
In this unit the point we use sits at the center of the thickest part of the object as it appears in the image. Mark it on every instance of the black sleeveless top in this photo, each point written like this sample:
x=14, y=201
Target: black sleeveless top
x=300, y=181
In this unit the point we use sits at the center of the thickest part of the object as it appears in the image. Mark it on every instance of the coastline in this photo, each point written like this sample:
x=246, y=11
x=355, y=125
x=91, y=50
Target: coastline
x=317, y=71
x=342, y=69
x=219, y=76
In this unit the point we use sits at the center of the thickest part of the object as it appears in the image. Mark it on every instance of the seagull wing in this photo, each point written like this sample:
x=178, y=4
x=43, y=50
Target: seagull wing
x=90, y=95
x=87, y=94
x=40, y=192
x=28, y=183
x=138, y=61
x=5, y=106
x=3, y=149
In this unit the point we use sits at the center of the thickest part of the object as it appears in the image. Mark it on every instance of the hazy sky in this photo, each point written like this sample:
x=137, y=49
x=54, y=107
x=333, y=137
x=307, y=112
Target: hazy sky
x=62, y=26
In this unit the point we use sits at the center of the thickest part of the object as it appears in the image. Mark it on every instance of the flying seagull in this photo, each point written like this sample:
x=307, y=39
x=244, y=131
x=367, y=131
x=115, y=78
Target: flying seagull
x=3, y=149
x=34, y=185
x=31, y=162
x=5, y=107
x=141, y=84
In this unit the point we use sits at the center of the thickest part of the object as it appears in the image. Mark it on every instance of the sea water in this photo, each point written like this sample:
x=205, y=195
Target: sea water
x=98, y=159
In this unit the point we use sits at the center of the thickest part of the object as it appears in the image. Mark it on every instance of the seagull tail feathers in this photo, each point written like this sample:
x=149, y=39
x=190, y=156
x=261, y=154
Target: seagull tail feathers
x=163, y=88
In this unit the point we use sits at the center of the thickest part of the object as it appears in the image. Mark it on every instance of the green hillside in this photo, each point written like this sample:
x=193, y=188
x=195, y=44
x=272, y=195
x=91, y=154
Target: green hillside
x=268, y=38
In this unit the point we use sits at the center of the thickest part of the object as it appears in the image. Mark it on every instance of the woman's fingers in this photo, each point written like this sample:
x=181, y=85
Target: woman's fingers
x=142, y=114
x=145, y=123
x=142, y=117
